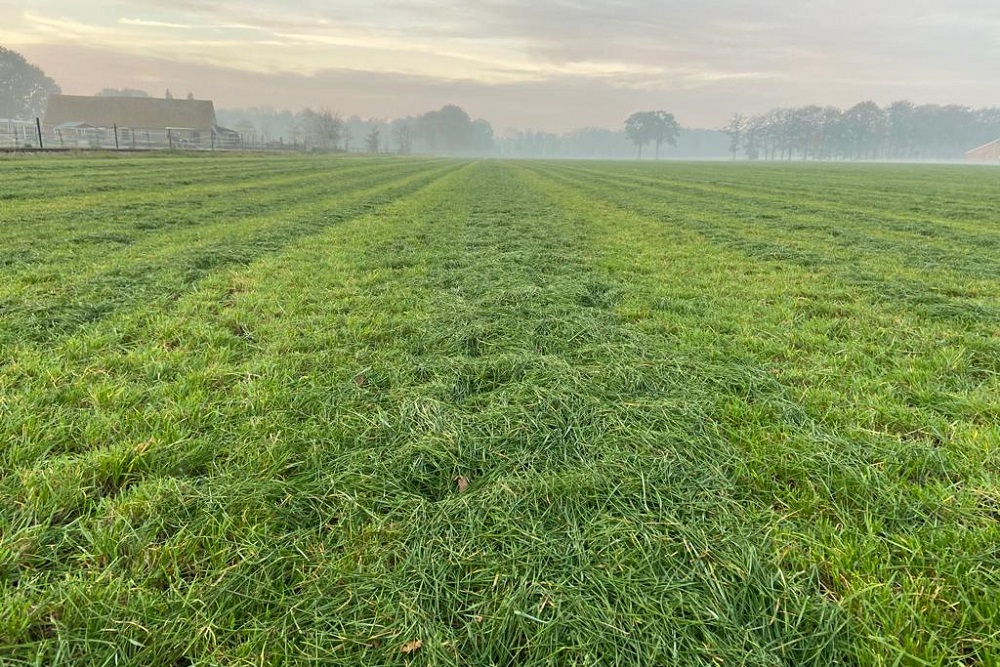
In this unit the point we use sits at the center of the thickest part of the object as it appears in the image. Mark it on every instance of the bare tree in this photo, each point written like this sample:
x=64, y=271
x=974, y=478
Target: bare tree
x=403, y=135
x=734, y=128
x=247, y=132
x=322, y=128
x=372, y=141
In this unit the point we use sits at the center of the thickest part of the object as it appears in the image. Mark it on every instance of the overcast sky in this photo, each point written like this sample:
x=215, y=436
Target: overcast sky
x=548, y=64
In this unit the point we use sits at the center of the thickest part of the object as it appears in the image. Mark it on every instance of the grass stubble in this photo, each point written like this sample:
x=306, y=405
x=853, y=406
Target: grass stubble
x=312, y=411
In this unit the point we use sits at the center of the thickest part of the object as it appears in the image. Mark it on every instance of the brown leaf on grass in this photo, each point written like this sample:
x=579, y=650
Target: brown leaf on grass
x=411, y=647
x=463, y=484
x=361, y=380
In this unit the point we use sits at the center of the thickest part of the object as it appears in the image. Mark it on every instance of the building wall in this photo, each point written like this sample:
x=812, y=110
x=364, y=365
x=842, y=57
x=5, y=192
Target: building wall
x=987, y=153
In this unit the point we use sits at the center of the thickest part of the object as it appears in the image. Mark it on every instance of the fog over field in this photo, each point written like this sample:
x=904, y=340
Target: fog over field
x=553, y=66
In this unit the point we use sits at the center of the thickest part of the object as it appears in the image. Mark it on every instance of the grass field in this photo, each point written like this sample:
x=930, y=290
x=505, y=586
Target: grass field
x=283, y=411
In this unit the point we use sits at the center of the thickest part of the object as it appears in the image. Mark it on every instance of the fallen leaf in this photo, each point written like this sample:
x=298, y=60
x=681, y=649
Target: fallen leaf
x=411, y=647
x=463, y=484
x=361, y=381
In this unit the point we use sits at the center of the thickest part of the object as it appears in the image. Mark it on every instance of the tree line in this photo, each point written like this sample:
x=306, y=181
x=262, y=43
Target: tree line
x=604, y=143
x=900, y=131
x=446, y=131
x=25, y=89
x=866, y=131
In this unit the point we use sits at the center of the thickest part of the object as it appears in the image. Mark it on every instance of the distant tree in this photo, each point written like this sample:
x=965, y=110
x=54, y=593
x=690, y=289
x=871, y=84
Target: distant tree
x=24, y=88
x=658, y=127
x=295, y=130
x=833, y=139
x=772, y=132
x=372, y=141
x=168, y=95
x=957, y=129
x=450, y=131
x=664, y=129
x=865, y=129
x=753, y=137
x=596, y=142
x=247, y=131
x=271, y=124
x=901, y=128
x=402, y=133
x=322, y=128
x=190, y=97
x=734, y=130
x=810, y=131
x=348, y=135
x=266, y=118
x=330, y=128
x=122, y=92
x=483, y=141
x=987, y=125
x=447, y=130
x=637, y=130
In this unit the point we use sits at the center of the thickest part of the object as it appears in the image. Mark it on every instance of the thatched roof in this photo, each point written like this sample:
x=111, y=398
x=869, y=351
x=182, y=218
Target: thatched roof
x=131, y=112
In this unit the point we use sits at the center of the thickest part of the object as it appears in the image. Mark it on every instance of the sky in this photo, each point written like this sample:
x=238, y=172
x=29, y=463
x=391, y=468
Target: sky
x=544, y=64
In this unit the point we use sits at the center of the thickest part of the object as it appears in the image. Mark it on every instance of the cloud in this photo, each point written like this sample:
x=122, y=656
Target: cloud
x=733, y=54
x=143, y=23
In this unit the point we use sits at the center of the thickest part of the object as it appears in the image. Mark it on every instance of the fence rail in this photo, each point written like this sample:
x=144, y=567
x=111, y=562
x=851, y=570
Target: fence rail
x=35, y=135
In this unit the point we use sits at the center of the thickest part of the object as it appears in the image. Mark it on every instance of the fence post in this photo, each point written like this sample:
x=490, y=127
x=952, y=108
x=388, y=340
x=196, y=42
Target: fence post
x=38, y=124
x=116, y=137
x=170, y=138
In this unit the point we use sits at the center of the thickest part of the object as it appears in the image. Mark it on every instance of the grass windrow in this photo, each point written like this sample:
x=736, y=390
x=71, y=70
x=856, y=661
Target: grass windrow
x=313, y=410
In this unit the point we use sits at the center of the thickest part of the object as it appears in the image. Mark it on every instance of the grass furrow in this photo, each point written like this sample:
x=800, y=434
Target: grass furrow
x=55, y=299
x=962, y=290
x=900, y=195
x=864, y=453
x=502, y=413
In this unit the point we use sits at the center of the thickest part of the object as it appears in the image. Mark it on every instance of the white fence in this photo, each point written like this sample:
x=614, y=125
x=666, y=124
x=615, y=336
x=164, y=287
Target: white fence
x=34, y=135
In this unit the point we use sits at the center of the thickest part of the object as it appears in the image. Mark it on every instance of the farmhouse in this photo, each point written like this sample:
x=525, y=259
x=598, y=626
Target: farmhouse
x=986, y=153
x=141, y=121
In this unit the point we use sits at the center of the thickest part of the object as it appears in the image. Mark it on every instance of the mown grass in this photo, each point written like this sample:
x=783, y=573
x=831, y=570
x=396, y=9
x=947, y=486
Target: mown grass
x=318, y=411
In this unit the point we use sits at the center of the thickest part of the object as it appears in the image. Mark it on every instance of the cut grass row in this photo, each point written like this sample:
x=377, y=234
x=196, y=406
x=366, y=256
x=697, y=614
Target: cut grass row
x=887, y=466
x=939, y=276
x=524, y=414
x=67, y=271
